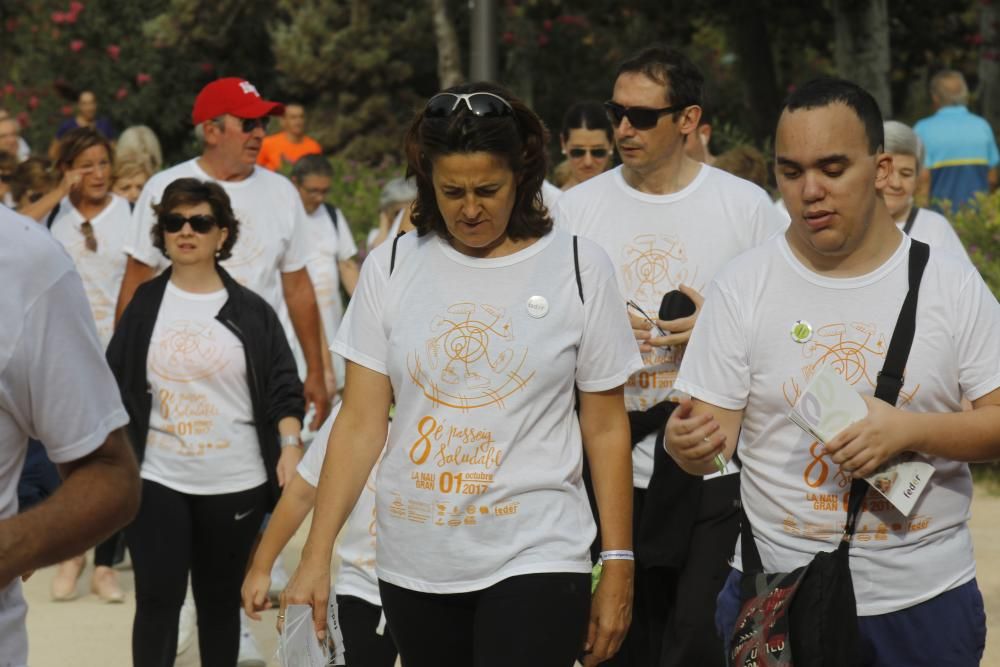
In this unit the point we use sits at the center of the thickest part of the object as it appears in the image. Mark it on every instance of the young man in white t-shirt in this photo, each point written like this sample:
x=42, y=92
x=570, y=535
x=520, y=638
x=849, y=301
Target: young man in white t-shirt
x=274, y=246
x=334, y=261
x=829, y=292
x=668, y=223
x=55, y=386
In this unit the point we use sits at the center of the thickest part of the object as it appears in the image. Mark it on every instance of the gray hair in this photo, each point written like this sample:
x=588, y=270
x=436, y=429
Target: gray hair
x=948, y=87
x=313, y=164
x=900, y=138
x=139, y=143
x=398, y=191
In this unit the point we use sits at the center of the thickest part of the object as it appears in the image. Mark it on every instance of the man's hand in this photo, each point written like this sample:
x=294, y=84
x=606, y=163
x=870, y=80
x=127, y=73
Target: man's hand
x=694, y=441
x=642, y=330
x=863, y=447
x=315, y=393
x=679, y=329
x=610, y=612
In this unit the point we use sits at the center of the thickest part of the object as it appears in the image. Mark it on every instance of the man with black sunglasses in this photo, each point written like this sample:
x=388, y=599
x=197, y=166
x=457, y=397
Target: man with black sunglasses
x=669, y=223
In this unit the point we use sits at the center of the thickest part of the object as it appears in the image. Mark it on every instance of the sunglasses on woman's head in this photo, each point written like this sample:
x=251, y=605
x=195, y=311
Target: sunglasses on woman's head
x=483, y=105
x=596, y=153
x=200, y=224
x=641, y=118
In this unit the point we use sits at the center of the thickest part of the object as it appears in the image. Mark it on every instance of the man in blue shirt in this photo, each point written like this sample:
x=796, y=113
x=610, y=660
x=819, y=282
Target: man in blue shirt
x=961, y=153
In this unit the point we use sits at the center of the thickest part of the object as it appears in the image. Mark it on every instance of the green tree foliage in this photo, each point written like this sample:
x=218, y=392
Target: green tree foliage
x=978, y=225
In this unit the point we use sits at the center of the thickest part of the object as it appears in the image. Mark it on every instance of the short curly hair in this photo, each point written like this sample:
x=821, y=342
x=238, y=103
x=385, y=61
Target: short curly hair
x=519, y=140
x=191, y=192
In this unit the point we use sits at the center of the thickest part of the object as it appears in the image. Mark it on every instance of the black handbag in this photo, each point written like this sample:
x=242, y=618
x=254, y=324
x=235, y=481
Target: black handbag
x=808, y=617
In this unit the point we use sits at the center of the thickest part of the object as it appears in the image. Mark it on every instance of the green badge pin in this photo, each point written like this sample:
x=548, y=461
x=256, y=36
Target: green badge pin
x=802, y=331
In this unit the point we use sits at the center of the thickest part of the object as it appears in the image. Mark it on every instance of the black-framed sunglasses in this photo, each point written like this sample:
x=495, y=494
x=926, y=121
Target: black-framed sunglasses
x=200, y=224
x=248, y=125
x=483, y=105
x=596, y=153
x=641, y=118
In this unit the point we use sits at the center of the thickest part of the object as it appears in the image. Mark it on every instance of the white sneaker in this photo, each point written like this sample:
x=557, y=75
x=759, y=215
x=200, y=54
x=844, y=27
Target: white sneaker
x=250, y=655
x=279, y=580
x=187, y=628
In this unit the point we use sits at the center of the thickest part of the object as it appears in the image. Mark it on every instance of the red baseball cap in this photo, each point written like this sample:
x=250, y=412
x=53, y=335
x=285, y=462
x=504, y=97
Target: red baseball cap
x=235, y=96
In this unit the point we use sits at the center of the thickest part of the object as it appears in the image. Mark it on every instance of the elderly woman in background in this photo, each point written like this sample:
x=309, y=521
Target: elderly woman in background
x=483, y=325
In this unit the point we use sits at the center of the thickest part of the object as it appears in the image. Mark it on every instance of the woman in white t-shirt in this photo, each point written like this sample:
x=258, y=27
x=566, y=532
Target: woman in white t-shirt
x=211, y=388
x=907, y=152
x=91, y=222
x=355, y=604
x=481, y=327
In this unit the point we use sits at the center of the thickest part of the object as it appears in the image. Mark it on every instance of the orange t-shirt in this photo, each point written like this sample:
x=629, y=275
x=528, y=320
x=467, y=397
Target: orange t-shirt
x=276, y=149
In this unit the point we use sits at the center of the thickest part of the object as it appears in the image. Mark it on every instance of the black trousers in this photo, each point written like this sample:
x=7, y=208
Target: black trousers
x=363, y=646
x=533, y=620
x=209, y=536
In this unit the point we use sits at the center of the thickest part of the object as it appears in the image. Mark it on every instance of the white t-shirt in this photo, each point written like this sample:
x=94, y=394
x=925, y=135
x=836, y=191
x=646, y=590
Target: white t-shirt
x=273, y=234
x=934, y=229
x=550, y=194
x=356, y=543
x=54, y=382
x=481, y=479
x=658, y=242
x=397, y=220
x=102, y=271
x=330, y=248
x=202, y=438
x=742, y=356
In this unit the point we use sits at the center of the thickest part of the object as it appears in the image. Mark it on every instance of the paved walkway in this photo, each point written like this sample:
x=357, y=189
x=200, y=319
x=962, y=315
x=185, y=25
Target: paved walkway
x=88, y=633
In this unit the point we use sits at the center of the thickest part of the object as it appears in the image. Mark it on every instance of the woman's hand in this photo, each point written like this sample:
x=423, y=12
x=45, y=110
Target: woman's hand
x=255, y=593
x=610, y=611
x=310, y=584
x=693, y=441
x=287, y=463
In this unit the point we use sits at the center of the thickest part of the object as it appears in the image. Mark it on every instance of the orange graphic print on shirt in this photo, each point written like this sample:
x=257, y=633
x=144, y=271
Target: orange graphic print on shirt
x=185, y=352
x=471, y=359
x=654, y=264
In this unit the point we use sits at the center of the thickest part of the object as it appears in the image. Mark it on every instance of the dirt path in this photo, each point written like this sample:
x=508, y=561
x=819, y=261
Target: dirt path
x=87, y=633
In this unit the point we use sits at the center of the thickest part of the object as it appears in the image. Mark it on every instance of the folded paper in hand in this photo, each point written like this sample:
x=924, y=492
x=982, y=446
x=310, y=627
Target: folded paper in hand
x=828, y=406
x=298, y=645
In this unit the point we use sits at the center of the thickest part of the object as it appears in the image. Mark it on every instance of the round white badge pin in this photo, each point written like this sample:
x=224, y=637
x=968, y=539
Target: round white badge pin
x=538, y=306
x=801, y=331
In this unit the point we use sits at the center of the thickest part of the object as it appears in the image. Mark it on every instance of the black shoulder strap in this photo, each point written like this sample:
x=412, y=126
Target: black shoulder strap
x=910, y=219
x=392, y=257
x=576, y=265
x=332, y=210
x=52, y=216
x=890, y=383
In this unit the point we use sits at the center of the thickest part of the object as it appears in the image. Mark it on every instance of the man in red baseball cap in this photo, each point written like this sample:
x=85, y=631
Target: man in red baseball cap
x=235, y=96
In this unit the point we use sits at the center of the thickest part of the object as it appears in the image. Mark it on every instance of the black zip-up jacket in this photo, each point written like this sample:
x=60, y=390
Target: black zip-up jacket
x=275, y=389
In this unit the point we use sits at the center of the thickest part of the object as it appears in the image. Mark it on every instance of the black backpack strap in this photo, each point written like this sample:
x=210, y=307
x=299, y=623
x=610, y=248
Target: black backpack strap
x=890, y=383
x=910, y=219
x=576, y=265
x=332, y=210
x=392, y=257
x=52, y=216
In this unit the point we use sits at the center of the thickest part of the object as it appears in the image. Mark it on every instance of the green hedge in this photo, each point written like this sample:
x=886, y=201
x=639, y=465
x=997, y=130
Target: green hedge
x=978, y=226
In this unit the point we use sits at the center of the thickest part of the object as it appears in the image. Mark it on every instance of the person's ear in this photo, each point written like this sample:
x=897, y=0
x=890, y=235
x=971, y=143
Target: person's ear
x=224, y=234
x=883, y=169
x=688, y=121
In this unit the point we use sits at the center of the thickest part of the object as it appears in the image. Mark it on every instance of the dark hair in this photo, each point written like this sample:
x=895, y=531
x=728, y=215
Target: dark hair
x=36, y=174
x=746, y=162
x=825, y=91
x=587, y=116
x=76, y=141
x=191, y=192
x=519, y=140
x=671, y=69
x=311, y=165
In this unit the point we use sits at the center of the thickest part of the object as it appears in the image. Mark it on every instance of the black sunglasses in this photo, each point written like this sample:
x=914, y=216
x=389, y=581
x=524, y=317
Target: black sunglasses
x=6, y=178
x=597, y=153
x=200, y=224
x=641, y=118
x=483, y=105
x=248, y=125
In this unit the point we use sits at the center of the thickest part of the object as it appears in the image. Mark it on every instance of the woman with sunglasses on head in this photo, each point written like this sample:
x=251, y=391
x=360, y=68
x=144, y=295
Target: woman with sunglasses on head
x=216, y=408
x=91, y=223
x=586, y=141
x=482, y=326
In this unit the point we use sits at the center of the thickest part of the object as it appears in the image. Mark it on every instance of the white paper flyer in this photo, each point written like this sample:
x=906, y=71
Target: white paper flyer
x=829, y=405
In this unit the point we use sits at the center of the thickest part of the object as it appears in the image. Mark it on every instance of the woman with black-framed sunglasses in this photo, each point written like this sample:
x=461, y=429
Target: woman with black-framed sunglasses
x=587, y=142
x=215, y=408
x=482, y=327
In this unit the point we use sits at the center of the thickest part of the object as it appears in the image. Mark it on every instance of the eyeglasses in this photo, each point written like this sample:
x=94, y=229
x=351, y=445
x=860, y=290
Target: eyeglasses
x=596, y=153
x=248, y=125
x=482, y=105
x=642, y=313
x=641, y=118
x=200, y=224
x=89, y=240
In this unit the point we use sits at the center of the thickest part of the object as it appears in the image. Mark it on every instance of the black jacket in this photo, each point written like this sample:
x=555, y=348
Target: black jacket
x=275, y=388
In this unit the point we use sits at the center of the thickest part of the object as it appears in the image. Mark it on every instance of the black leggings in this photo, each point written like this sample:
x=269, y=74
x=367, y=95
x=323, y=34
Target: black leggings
x=210, y=537
x=363, y=646
x=532, y=620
